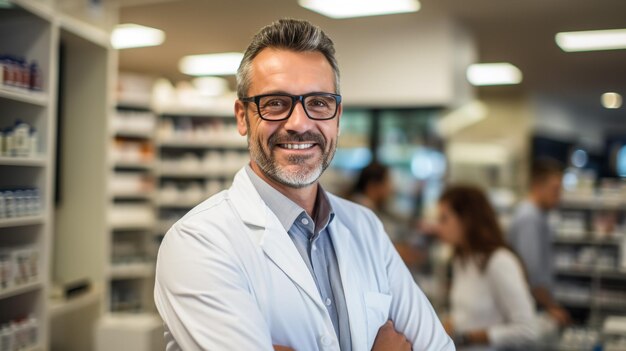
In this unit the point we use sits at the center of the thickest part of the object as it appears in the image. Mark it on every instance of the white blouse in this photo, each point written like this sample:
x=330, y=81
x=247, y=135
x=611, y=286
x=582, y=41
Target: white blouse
x=497, y=299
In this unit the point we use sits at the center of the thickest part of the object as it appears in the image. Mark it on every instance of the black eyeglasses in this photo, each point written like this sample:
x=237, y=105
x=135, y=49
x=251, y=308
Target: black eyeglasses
x=278, y=107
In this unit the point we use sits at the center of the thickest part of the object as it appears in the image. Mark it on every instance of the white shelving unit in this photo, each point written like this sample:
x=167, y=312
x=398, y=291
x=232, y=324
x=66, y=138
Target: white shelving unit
x=27, y=29
x=198, y=151
x=589, y=261
x=130, y=267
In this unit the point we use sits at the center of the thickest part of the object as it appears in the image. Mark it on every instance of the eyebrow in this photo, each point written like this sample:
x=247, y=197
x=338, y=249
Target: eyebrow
x=285, y=92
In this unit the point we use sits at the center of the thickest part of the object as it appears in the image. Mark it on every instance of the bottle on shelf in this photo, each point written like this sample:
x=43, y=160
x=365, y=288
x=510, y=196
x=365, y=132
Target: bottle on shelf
x=36, y=77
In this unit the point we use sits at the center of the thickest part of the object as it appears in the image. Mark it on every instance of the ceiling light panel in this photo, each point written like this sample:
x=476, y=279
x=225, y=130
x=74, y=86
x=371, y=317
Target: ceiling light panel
x=611, y=100
x=594, y=40
x=501, y=73
x=130, y=35
x=222, y=64
x=359, y=8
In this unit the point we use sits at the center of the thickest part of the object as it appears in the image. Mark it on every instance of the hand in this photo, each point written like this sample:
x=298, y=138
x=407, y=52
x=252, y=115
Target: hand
x=560, y=315
x=282, y=348
x=388, y=339
x=448, y=326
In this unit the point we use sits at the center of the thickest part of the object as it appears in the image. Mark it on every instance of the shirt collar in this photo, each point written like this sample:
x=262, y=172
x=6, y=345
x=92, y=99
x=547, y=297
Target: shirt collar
x=285, y=209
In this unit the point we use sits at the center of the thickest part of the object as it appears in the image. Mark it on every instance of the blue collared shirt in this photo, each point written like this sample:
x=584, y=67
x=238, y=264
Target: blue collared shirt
x=313, y=242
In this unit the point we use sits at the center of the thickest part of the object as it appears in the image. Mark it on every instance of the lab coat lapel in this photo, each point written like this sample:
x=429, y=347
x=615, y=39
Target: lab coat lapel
x=279, y=247
x=345, y=251
x=267, y=231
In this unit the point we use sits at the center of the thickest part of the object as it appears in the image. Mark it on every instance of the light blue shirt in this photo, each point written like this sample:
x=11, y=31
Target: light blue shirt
x=530, y=236
x=313, y=242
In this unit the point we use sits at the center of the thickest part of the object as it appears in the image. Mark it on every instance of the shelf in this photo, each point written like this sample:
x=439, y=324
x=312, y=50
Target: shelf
x=21, y=95
x=196, y=112
x=221, y=144
x=179, y=204
x=133, y=134
x=133, y=165
x=20, y=289
x=197, y=174
x=593, y=203
x=588, y=240
x=133, y=103
x=131, y=270
x=38, y=161
x=132, y=226
x=21, y=221
x=133, y=196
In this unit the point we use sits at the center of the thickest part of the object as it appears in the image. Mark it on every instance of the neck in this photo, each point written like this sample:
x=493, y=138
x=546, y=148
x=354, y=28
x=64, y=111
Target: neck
x=534, y=198
x=304, y=197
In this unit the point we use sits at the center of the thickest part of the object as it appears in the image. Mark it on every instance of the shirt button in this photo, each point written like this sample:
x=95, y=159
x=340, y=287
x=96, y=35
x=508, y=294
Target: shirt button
x=304, y=221
x=314, y=247
x=328, y=302
x=326, y=340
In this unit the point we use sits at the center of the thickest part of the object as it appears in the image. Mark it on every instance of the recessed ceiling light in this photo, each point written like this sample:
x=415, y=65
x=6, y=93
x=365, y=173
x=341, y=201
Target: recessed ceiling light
x=223, y=64
x=359, y=8
x=501, y=73
x=611, y=100
x=131, y=35
x=593, y=40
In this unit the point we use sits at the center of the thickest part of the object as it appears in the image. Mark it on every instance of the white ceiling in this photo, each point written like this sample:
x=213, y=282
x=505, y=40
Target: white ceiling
x=520, y=32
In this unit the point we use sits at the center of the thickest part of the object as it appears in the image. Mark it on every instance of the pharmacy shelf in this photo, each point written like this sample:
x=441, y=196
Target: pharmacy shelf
x=133, y=103
x=600, y=273
x=38, y=161
x=134, y=134
x=134, y=196
x=131, y=270
x=197, y=174
x=179, y=204
x=593, y=203
x=203, y=112
x=588, y=239
x=21, y=221
x=204, y=144
x=25, y=96
x=131, y=226
x=20, y=289
x=134, y=165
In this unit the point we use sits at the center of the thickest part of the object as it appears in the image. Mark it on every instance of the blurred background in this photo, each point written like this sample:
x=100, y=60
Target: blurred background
x=116, y=118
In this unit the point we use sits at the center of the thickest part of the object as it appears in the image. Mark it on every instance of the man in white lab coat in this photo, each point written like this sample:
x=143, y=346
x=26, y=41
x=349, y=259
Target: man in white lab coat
x=275, y=262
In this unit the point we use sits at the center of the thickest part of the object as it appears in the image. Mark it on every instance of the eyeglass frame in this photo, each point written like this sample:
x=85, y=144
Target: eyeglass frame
x=294, y=100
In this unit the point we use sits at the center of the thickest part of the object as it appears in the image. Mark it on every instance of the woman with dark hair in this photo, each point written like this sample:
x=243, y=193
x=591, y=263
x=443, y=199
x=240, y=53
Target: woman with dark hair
x=490, y=302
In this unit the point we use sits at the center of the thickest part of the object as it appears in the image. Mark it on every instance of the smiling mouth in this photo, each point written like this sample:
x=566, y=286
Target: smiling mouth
x=298, y=146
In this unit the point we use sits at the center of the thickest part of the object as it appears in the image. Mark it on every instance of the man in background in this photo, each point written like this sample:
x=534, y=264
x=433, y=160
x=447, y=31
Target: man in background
x=531, y=237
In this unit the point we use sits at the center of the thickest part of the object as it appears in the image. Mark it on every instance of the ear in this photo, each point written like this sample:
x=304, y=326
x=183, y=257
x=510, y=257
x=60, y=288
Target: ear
x=240, y=115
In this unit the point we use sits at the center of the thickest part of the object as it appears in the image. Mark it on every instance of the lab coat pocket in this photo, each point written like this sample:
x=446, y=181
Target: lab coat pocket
x=377, y=306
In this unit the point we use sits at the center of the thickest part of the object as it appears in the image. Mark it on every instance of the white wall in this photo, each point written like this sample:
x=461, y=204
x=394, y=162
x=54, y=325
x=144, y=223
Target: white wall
x=403, y=60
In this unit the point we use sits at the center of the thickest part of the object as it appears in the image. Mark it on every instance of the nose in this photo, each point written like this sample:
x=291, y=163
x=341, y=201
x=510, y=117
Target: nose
x=298, y=121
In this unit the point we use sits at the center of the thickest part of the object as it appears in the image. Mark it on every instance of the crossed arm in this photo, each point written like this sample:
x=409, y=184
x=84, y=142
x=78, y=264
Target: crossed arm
x=387, y=339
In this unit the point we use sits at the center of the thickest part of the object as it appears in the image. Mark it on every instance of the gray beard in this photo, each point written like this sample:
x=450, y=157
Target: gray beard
x=300, y=179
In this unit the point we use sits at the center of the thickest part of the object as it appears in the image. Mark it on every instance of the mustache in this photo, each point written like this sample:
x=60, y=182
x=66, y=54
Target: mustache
x=290, y=136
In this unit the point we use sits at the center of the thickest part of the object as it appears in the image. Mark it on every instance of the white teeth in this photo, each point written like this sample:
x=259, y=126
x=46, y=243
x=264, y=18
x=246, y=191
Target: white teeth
x=297, y=146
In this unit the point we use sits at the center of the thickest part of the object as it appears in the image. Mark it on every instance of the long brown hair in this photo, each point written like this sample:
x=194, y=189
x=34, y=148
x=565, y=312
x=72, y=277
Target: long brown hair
x=483, y=233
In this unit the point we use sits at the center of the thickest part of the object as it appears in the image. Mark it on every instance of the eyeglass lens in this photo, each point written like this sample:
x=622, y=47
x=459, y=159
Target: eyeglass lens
x=316, y=106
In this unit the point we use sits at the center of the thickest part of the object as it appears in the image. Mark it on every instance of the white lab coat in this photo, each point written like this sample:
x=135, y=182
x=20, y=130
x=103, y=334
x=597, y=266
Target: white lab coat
x=230, y=278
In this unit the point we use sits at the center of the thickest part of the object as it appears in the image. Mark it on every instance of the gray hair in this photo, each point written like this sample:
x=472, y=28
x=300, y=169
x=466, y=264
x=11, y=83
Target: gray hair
x=289, y=34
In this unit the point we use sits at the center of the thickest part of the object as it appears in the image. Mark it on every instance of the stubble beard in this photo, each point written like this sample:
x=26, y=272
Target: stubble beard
x=304, y=174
